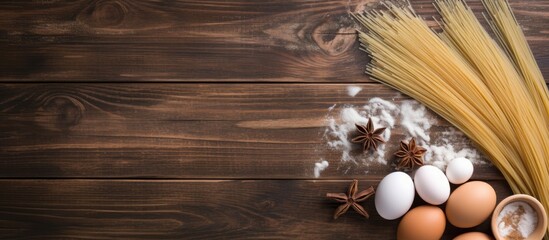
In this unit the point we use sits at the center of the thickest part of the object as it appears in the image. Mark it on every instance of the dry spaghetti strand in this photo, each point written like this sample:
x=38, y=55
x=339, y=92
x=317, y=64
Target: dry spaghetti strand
x=467, y=78
x=505, y=25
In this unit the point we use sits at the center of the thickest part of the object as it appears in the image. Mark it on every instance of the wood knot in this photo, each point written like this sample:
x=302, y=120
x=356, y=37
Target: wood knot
x=104, y=14
x=335, y=36
x=64, y=111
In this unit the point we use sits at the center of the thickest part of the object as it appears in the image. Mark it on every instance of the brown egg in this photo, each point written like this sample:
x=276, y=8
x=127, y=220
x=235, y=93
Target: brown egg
x=422, y=223
x=470, y=204
x=473, y=236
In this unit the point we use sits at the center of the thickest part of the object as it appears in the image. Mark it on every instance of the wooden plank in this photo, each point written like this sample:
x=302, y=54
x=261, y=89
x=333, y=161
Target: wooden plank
x=100, y=209
x=183, y=130
x=206, y=41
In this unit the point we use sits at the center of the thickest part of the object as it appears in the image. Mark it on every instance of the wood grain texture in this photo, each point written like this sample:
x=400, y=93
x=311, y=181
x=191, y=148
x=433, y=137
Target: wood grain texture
x=124, y=209
x=202, y=41
x=99, y=159
x=217, y=131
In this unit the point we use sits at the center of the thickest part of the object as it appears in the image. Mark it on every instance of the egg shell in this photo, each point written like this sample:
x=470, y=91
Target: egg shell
x=432, y=185
x=394, y=195
x=473, y=236
x=459, y=170
x=470, y=204
x=422, y=223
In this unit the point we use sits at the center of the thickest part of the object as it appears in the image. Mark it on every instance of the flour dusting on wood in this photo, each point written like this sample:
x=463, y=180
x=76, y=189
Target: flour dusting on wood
x=320, y=166
x=353, y=90
x=402, y=121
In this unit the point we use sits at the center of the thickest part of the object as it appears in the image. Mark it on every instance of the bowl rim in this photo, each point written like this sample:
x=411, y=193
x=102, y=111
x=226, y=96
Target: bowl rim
x=540, y=229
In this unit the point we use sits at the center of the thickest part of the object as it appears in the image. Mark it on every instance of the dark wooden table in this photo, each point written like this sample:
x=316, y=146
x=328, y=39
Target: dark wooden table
x=188, y=119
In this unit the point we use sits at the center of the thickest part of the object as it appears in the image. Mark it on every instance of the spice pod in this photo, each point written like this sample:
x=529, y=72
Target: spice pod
x=519, y=214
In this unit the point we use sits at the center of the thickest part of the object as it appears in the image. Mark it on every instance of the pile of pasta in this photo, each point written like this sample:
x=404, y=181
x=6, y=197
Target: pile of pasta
x=491, y=89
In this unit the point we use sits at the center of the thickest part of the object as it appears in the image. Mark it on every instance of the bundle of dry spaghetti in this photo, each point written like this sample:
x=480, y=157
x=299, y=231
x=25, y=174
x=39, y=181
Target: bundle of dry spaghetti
x=491, y=90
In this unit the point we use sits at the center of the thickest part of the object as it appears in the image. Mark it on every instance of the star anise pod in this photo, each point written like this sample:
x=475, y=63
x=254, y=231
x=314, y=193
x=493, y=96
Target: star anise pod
x=370, y=136
x=351, y=199
x=411, y=154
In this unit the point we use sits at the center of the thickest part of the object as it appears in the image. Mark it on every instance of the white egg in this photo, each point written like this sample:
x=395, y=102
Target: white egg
x=432, y=185
x=394, y=195
x=459, y=170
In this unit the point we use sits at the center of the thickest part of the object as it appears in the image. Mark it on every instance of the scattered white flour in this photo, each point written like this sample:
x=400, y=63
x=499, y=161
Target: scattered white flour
x=407, y=120
x=338, y=131
x=320, y=166
x=413, y=119
x=440, y=155
x=353, y=90
x=517, y=220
